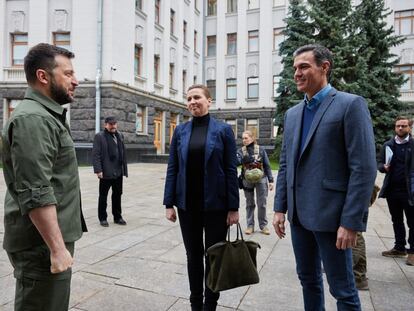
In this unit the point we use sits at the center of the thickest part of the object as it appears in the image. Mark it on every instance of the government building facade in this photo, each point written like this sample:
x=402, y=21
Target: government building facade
x=135, y=59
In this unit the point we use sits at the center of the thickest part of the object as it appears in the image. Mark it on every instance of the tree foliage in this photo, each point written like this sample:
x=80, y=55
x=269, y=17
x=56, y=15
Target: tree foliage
x=361, y=43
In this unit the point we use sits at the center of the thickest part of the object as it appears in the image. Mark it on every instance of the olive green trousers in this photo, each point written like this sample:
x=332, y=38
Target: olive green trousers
x=359, y=258
x=37, y=289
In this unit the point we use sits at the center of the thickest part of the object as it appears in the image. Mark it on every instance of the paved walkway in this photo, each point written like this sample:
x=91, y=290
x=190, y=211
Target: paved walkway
x=142, y=266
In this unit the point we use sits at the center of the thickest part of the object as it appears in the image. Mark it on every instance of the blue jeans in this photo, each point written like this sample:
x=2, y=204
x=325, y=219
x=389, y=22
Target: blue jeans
x=311, y=248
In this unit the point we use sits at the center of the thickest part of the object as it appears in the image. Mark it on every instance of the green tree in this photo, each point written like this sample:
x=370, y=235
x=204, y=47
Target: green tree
x=376, y=80
x=323, y=22
x=363, y=63
x=297, y=32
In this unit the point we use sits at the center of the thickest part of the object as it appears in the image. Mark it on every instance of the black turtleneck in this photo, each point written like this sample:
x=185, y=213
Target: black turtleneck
x=195, y=163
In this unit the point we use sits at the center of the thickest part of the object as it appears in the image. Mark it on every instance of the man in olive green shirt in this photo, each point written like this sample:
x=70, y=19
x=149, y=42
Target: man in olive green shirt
x=42, y=210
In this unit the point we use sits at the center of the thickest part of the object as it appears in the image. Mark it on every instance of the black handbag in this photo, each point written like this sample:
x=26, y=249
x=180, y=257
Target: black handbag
x=232, y=264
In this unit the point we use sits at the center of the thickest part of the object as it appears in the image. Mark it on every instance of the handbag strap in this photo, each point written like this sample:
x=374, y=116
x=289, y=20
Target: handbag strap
x=239, y=230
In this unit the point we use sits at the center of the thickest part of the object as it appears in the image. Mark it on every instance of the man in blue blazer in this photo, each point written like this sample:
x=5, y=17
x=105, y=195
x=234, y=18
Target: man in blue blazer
x=325, y=180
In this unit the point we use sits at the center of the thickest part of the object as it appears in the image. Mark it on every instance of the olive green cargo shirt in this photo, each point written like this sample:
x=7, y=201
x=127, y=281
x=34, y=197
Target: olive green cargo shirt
x=40, y=168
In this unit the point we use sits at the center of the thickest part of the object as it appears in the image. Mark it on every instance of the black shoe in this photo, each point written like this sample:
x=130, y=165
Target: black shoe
x=120, y=221
x=104, y=223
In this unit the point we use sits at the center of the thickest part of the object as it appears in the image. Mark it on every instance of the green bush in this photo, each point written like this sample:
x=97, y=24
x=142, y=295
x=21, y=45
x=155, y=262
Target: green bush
x=274, y=157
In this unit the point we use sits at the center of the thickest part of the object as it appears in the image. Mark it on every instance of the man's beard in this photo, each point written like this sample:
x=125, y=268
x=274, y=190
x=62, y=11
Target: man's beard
x=59, y=94
x=402, y=136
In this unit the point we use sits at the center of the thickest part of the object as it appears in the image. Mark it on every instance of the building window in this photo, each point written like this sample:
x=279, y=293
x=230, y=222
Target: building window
x=156, y=68
x=140, y=120
x=195, y=80
x=254, y=41
x=171, y=76
x=138, y=4
x=276, y=81
x=211, y=85
x=408, y=72
x=231, y=6
x=231, y=43
x=233, y=124
x=253, y=126
x=278, y=2
x=173, y=124
x=212, y=7
x=231, y=89
x=172, y=21
x=195, y=40
x=253, y=4
x=185, y=32
x=195, y=5
x=211, y=45
x=404, y=22
x=138, y=60
x=157, y=11
x=274, y=127
x=62, y=39
x=253, y=87
x=184, y=81
x=277, y=38
x=19, y=48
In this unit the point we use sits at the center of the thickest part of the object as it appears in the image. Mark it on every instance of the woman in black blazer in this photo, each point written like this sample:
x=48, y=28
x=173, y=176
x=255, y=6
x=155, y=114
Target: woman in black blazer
x=202, y=183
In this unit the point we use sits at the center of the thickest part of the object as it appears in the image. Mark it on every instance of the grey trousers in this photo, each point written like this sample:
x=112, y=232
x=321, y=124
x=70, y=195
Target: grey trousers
x=261, y=189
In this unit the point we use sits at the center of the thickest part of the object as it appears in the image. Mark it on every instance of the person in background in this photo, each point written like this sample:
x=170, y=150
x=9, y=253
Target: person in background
x=256, y=173
x=359, y=254
x=201, y=181
x=110, y=166
x=398, y=186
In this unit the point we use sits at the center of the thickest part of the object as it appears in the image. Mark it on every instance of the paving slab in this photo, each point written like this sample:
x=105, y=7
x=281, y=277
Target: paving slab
x=142, y=266
x=132, y=299
x=388, y=296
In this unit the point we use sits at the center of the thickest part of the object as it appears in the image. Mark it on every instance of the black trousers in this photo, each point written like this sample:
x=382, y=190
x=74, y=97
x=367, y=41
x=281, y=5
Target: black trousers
x=104, y=186
x=214, y=225
x=398, y=205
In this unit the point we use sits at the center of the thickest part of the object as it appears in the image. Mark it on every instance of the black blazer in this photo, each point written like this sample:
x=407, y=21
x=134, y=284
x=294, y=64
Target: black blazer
x=409, y=169
x=100, y=157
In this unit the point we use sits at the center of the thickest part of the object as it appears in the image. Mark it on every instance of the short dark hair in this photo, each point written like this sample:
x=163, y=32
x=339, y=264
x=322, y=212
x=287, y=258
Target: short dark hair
x=205, y=89
x=410, y=121
x=320, y=53
x=42, y=56
x=110, y=119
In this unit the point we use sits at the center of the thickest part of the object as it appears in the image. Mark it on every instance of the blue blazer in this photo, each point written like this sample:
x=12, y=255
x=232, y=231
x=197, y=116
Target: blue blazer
x=329, y=183
x=221, y=190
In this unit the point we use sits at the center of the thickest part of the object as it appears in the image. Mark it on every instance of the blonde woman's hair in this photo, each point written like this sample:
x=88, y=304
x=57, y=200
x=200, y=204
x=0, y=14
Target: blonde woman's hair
x=250, y=133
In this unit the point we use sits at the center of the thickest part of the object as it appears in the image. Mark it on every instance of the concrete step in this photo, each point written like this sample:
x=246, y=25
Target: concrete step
x=154, y=158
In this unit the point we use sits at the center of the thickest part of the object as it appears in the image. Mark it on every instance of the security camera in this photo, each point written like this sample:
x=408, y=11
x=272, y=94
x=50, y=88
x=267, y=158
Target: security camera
x=113, y=68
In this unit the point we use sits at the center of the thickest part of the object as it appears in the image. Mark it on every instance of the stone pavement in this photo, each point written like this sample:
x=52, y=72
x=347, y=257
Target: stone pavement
x=142, y=266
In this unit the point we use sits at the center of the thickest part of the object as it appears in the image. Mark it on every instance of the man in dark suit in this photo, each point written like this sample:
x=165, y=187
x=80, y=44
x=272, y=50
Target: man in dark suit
x=110, y=165
x=398, y=186
x=326, y=176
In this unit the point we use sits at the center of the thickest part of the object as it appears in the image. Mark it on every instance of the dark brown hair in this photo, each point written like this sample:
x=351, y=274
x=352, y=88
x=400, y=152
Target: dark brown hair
x=320, y=53
x=410, y=121
x=42, y=56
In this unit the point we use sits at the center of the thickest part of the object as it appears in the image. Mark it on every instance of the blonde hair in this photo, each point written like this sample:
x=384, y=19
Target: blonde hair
x=250, y=133
x=205, y=89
